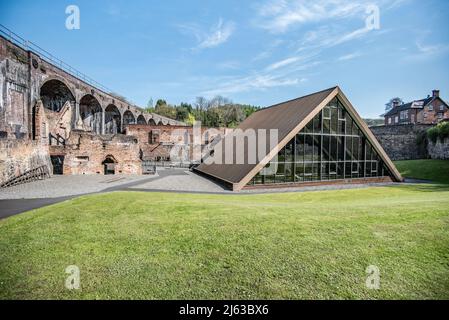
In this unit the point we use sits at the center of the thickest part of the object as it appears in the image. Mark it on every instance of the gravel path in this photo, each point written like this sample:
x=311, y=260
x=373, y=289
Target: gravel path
x=64, y=186
x=182, y=181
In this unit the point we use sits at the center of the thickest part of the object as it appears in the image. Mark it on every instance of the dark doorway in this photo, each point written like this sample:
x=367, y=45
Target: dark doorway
x=58, y=164
x=109, y=166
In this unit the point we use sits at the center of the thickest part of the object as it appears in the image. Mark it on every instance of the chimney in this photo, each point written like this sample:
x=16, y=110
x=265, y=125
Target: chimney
x=436, y=93
x=396, y=102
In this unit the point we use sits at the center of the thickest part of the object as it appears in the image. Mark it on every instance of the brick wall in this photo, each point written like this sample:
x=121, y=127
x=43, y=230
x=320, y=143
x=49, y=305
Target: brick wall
x=86, y=152
x=19, y=156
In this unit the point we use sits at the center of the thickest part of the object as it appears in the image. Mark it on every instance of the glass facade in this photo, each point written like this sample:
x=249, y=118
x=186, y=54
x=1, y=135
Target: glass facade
x=330, y=147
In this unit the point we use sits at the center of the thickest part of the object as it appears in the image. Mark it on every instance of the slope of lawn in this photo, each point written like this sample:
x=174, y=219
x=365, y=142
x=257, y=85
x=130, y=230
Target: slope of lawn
x=314, y=245
x=433, y=170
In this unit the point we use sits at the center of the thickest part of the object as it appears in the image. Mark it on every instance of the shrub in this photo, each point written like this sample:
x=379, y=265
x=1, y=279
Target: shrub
x=441, y=131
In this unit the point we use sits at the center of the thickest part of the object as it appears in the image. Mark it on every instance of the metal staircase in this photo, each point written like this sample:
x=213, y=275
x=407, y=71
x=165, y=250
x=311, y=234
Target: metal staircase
x=39, y=173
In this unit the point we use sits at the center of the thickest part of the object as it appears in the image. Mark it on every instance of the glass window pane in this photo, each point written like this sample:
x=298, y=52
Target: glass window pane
x=334, y=121
x=341, y=148
x=299, y=174
x=289, y=151
x=326, y=126
x=326, y=112
x=299, y=148
x=289, y=172
x=308, y=148
x=317, y=148
x=308, y=172
x=325, y=149
x=317, y=124
x=355, y=129
x=334, y=146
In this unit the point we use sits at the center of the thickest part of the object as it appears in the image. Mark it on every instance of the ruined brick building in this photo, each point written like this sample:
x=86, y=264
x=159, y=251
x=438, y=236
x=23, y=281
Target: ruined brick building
x=54, y=117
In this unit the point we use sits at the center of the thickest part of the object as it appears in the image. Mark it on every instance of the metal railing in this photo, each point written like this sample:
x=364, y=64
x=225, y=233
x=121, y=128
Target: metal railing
x=167, y=164
x=39, y=173
x=30, y=46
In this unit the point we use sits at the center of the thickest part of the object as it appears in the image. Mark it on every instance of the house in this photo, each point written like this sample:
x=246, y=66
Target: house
x=320, y=139
x=430, y=110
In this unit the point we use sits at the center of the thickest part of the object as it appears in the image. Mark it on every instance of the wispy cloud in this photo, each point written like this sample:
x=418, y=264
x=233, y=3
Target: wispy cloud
x=349, y=56
x=287, y=72
x=282, y=63
x=278, y=16
x=253, y=82
x=230, y=65
x=431, y=49
x=215, y=36
x=427, y=51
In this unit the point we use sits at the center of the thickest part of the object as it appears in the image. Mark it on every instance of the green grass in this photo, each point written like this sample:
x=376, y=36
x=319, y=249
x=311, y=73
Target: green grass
x=434, y=170
x=314, y=245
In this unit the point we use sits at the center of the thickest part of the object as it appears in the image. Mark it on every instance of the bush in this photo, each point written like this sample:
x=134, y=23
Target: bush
x=441, y=131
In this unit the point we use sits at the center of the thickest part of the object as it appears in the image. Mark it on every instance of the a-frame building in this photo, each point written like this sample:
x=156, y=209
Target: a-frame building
x=321, y=139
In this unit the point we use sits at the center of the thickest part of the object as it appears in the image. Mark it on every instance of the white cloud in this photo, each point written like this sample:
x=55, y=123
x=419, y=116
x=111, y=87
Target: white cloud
x=253, y=82
x=424, y=52
x=282, y=63
x=217, y=35
x=431, y=49
x=278, y=16
x=350, y=56
x=232, y=65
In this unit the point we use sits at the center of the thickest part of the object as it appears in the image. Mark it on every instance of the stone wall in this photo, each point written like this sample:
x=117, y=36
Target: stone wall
x=403, y=142
x=439, y=150
x=19, y=156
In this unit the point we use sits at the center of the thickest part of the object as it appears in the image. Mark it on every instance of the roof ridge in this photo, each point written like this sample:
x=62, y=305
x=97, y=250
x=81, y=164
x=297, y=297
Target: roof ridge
x=291, y=100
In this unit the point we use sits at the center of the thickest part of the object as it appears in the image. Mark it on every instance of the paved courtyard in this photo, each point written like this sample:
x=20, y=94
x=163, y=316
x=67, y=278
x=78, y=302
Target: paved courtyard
x=37, y=194
x=63, y=186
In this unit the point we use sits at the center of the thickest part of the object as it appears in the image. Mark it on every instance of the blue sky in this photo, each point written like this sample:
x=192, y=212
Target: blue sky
x=256, y=52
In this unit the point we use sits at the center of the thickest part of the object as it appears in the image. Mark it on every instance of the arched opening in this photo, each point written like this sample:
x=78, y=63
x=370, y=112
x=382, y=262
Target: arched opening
x=90, y=113
x=152, y=122
x=112, y=119
x=54, y=94
x=141, y=120
x=109, y=164
x=128, y=118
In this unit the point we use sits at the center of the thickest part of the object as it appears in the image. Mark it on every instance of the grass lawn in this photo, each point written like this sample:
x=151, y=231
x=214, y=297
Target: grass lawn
x=314, y=245
x=434, y=170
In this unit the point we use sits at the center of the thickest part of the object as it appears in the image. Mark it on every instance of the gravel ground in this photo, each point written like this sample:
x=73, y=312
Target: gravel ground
x=63, y=186
x=183, y=181
x=191, y=182
x=174, y=180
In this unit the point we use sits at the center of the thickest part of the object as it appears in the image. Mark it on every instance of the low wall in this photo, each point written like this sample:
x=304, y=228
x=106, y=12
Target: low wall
x=403, y=142
x=439, y=150
x=19, y=156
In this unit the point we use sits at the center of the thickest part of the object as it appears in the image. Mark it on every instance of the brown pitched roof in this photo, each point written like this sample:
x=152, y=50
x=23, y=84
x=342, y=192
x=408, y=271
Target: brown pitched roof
x=288, y=118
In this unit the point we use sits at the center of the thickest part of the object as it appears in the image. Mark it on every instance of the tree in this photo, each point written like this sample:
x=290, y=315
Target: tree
x=190, y=120
x=182, y=113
